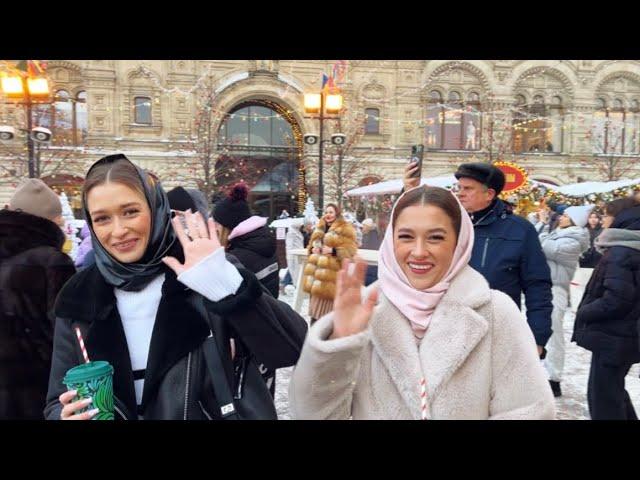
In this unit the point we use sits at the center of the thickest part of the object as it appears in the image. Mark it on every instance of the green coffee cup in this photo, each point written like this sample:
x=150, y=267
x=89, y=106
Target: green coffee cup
x=93, y=380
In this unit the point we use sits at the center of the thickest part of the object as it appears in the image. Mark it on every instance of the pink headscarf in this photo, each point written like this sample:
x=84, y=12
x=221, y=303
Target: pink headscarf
x=418, y=305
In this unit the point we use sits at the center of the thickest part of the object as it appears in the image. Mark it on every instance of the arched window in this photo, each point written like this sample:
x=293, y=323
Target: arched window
x=454, y=125
x=615, y=130
x=538, y=126
x=81, y=117
x=66, y=117
x=259, y=147
x=62, y=125
x=372, y=121
x=256, y=126
x=142, y=106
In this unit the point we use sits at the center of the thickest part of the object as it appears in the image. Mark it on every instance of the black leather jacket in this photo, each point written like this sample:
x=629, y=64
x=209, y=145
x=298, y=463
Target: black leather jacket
x=177, y=384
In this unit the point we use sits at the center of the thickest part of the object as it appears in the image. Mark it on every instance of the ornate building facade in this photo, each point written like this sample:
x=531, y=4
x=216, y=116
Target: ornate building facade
x=562, y=120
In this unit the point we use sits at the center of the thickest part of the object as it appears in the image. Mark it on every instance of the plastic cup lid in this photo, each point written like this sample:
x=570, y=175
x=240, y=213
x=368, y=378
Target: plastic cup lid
x=87, y=371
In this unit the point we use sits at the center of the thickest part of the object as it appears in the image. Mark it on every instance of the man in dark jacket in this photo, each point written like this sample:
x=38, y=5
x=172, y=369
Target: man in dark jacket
x=506, y=250
x=33, y=269
x=608, y=315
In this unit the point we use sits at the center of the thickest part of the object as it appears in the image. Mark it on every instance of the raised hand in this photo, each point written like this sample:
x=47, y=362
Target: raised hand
x=351, y=316
x=409, y=181
x=198, y=240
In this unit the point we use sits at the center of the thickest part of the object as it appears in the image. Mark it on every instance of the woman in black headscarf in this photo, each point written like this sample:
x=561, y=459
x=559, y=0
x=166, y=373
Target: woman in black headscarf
x=160, y=292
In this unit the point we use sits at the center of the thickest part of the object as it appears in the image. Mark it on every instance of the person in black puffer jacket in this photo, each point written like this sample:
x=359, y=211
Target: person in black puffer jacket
x=33, y=269
x=607, y=318
x=247, y=237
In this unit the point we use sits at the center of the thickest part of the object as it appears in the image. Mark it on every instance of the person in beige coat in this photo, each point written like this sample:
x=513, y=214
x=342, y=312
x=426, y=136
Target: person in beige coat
x=439, y=344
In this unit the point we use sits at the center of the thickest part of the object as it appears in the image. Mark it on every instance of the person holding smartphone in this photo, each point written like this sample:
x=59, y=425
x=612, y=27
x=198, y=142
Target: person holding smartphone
x=507, y=251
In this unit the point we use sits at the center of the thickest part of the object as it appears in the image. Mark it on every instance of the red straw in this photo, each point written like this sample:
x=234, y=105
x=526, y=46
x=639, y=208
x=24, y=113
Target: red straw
x=82, y=347
x=423, y=398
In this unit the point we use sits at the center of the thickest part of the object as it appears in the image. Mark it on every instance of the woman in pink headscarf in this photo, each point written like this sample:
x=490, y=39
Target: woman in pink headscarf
x=431, y=342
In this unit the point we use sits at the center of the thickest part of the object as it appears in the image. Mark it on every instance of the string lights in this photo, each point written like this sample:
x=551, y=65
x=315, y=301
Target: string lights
x=576, y=120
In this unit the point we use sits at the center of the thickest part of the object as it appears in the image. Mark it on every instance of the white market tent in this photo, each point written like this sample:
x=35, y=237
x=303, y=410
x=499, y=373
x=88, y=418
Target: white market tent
x=394, y=186
x=281, y=223
x=586, y=188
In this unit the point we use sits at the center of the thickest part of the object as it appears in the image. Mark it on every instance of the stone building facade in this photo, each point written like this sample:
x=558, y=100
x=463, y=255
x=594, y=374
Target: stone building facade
x=562, y=120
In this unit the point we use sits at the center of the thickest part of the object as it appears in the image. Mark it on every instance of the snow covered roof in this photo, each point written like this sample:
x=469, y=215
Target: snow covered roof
x=283, y=222
x=143, y=153
x=447, y=181
x=585, y=188
x=394, y=186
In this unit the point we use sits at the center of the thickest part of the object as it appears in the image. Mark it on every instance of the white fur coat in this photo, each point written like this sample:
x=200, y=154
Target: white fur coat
x=478, y=357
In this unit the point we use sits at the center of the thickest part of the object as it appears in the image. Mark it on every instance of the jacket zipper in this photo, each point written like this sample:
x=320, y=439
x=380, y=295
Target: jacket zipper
x=120, y=412
x=186, y=390
x=204, y=411
x=484, y=252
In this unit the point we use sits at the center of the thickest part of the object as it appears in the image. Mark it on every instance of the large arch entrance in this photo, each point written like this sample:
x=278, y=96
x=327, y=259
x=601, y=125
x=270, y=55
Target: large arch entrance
x=262, y=145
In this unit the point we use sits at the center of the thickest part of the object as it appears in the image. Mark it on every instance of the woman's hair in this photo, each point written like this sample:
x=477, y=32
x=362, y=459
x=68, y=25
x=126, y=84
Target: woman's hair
x=121, y=171
x=336, y=208
x=436, y=196
x=599, y=217
x=224, y=236
x=614, y=207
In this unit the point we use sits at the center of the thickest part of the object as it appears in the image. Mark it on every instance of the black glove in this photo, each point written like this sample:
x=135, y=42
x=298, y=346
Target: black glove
x=544, y=353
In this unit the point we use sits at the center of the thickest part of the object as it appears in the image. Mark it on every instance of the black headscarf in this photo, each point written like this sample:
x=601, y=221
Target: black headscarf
x=162, y=241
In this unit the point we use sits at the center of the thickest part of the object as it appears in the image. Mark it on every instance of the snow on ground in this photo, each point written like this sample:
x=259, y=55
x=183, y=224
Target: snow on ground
x=573, y=403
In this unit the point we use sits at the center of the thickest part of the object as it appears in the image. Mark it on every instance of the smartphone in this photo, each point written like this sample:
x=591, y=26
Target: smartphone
x=417, y=151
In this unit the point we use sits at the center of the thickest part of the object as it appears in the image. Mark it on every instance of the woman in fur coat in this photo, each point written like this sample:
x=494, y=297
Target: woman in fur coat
x=438, y=345
x=333, y=241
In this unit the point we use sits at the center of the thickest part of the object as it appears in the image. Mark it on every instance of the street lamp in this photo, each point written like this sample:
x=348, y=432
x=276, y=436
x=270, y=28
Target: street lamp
x=320, y=105
x=31, y=89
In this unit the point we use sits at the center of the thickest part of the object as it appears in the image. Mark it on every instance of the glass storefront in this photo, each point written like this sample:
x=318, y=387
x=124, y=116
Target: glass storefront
x=261, y=149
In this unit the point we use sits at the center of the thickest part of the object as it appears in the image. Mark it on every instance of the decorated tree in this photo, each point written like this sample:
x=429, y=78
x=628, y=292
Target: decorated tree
x=50, y=160
x=343, y=170
x=203, y=163
x=70, y=228
x=310, y=213
x=608, y=145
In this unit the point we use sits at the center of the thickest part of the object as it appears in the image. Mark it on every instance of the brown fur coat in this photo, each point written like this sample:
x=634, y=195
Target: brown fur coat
x=321, y=270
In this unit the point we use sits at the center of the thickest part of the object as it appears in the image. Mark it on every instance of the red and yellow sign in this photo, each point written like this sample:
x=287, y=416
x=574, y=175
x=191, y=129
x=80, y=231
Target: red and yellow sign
x=515, y=177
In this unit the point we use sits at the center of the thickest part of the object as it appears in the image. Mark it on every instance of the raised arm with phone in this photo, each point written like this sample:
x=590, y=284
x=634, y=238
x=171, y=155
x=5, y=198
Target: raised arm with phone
x=413, y=170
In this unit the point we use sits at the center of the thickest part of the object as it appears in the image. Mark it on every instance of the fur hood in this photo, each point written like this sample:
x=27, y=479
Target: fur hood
x=21, y=231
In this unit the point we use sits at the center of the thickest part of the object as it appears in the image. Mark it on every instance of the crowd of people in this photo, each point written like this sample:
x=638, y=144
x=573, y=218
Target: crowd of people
x=181, y=297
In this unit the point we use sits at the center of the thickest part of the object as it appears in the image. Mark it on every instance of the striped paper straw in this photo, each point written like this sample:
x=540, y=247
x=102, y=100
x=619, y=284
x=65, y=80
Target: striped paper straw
x=82, y=347
x=423, y=398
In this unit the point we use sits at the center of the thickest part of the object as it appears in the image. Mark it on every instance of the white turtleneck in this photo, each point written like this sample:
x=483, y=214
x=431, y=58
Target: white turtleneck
x=213, y=277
